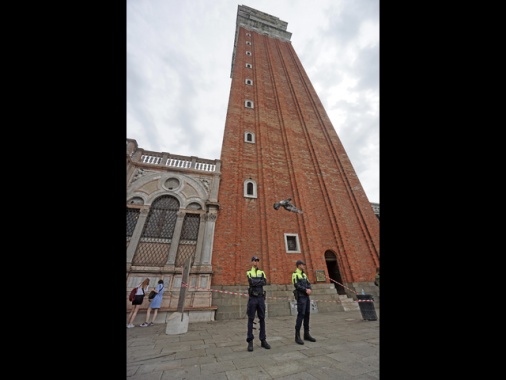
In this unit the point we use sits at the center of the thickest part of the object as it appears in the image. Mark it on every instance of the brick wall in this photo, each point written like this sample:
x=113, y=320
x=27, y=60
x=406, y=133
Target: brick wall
x=297, y=154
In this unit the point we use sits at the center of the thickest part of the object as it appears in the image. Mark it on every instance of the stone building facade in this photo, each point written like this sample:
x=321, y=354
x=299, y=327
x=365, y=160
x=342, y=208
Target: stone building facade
x=172, y=206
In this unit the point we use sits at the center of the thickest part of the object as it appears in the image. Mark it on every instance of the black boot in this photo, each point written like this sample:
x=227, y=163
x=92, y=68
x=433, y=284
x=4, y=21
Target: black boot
x=265, y=344
x=308, y=337
x=297, y=338
x=250, y=346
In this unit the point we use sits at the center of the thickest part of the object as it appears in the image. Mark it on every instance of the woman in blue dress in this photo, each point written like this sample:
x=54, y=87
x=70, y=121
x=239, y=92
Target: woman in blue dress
x=155, y=304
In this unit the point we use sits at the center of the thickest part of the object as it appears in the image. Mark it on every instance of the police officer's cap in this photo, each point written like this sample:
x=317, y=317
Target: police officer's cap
x=254, y=258
x=300, y=262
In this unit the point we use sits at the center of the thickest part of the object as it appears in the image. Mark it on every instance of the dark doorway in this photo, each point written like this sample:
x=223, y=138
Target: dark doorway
x=333, y=270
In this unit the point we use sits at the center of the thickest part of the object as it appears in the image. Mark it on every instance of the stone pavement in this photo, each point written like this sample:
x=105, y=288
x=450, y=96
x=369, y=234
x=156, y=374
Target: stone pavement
x=346, y=347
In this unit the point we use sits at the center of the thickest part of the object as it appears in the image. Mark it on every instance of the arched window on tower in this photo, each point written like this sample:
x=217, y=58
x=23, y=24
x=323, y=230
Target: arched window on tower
x=250, y=188
x=249, y=137
x=249, y=104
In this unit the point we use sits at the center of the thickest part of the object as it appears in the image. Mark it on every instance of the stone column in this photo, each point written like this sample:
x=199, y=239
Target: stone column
x=215, y=185
x=207, y=247
x=200, y=239
x=176, y=236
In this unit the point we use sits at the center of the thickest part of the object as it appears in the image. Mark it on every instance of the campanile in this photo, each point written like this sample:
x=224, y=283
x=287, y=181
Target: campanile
x=279, y=143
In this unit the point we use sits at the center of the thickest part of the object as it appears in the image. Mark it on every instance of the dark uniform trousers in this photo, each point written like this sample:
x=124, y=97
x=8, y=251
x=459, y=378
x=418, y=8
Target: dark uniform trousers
x=256, y=304
x=303, y=312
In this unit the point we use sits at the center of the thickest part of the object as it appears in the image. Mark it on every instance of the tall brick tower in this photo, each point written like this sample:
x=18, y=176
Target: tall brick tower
x=279, y=143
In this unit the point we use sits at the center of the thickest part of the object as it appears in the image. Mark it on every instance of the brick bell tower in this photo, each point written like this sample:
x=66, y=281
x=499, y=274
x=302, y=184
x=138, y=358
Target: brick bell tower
x=279, y=143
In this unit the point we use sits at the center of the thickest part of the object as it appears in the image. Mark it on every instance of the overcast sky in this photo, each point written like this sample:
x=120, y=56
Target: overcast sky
x=179, y=55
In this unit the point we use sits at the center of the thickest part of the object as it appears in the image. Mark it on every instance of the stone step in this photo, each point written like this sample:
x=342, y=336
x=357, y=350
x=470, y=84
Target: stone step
x=231, y=301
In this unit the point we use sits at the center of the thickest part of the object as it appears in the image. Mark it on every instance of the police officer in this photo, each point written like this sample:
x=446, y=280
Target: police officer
x=256, y=302
x=302, y=292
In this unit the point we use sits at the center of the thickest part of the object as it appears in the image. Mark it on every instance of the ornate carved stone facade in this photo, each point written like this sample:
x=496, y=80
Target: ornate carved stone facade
x=171, y=213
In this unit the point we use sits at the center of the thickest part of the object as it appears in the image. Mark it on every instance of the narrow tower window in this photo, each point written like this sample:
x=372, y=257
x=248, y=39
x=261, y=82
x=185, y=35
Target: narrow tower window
x=249, y=65
x=249, y=81
x=248, y=53
x=248, y=104
x=248, y=43
x=248, y=34
x=250, y=188
x=249, y=137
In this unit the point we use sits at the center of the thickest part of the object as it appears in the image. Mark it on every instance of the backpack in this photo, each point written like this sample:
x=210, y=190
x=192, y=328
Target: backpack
x=152, y=294
x=132, y=294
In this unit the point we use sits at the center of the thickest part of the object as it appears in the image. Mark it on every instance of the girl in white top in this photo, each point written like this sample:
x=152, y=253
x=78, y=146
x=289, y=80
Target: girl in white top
x=142, y=289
